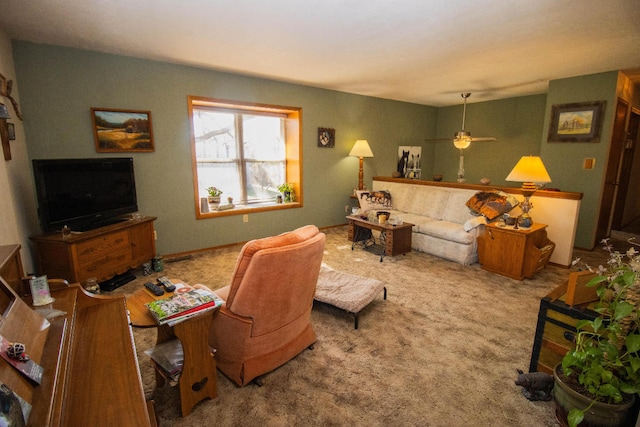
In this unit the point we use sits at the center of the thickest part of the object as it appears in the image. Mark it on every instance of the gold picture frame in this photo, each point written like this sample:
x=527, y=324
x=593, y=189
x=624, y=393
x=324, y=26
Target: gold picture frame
x=120, y=131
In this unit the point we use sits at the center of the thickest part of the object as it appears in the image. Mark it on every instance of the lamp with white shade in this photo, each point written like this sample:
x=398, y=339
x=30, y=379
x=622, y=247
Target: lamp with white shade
x=531, y=172
x=361, y=150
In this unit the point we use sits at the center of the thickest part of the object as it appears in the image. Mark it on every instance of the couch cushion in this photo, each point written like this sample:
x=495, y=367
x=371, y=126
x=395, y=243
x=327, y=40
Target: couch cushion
x=429, y=201
x=456, y=209
x=374, y=200
x=451, y=231
x=491, y=204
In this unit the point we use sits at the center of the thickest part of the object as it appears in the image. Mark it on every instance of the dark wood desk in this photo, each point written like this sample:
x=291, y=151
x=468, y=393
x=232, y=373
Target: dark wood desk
x=394, y=239
x=198, y=378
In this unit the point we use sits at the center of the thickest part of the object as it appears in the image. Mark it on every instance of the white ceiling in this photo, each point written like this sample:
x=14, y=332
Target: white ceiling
x=422, y=51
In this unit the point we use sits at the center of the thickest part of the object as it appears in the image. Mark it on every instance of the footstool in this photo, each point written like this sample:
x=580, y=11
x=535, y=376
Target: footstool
x=347, y=291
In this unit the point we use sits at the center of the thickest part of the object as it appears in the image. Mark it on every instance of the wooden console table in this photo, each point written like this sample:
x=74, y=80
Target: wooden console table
x=515, y=253
x=198, y=378
x=394, y=239
x=101, y=253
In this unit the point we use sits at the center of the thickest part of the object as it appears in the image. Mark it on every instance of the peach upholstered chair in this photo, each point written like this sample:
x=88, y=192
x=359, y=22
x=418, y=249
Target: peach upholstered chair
x=266, y=319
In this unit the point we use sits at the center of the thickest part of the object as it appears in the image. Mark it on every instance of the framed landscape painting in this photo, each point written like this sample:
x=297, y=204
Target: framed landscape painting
x=576, y=122
x=122, y=130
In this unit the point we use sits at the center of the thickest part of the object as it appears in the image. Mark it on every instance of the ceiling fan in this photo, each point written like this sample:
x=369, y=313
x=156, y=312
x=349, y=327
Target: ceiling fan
x=463, y=139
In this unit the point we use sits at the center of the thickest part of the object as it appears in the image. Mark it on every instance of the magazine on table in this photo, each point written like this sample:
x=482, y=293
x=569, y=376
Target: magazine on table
x=181, y=305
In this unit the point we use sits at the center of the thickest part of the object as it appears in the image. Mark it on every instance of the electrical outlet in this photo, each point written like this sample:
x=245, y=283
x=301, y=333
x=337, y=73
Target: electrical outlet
x=346, y=208
x=245, y=218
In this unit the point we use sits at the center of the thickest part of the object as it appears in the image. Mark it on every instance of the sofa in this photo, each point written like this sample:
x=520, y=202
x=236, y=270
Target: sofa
x=266, y=318
x=444, y=225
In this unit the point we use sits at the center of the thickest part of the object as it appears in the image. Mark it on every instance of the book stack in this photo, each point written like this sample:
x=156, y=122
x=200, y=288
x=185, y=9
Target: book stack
x=182, y=306
x=169, y=357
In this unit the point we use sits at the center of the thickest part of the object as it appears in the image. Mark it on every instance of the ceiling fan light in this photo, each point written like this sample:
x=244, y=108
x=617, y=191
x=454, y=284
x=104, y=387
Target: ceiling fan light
x=462, y=140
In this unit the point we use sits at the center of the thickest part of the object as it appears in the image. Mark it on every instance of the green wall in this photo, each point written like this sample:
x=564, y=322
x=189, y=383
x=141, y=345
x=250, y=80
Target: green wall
x=58, y=86
x=564, y=160
x=517, y=124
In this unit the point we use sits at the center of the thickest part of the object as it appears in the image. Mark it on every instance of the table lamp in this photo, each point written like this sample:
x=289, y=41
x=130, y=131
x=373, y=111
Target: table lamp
x=361, y=149
x=531, y=172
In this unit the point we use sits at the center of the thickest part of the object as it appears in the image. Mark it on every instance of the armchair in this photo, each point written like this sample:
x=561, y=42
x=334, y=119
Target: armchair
x=266, y=319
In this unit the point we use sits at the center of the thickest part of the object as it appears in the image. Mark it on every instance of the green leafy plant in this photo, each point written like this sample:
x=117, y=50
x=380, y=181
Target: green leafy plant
x=287, y=190
x=606, y=359
x=214, y=192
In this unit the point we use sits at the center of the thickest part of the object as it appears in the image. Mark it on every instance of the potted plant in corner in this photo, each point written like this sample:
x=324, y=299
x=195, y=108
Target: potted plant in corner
x=214, y=195
x=287, y=192
x=597, y=382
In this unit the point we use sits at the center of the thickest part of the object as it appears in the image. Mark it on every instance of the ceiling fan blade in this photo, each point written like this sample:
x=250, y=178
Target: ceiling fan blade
x=485, y=138
x=438, y=140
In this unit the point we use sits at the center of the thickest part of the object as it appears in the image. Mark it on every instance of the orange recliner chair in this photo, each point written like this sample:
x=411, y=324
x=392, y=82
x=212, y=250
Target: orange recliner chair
x=266, y=320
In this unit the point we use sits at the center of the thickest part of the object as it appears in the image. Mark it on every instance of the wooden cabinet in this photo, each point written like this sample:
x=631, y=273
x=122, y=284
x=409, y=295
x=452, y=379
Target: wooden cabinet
x=556, y=329
x=515, y=253
x=101, y=253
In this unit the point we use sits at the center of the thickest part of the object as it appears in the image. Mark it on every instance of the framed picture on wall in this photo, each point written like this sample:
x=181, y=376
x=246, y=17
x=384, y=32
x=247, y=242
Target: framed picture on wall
x=326, y=137
x=118, y=131
x=578, y=122
x=409, y=161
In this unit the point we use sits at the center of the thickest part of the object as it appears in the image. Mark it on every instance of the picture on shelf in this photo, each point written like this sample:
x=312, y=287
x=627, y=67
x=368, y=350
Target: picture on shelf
x=409, y=161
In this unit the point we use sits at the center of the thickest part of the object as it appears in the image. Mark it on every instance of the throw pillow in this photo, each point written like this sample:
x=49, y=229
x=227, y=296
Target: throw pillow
x=491, y=204
x=373, y=200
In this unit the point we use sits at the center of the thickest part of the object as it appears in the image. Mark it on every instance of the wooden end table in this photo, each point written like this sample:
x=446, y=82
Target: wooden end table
x=394, y=239
x=198, y=378
x=514, y=252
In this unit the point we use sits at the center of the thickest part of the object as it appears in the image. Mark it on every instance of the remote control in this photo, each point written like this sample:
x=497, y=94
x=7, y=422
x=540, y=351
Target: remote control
x=155, y=289
x=164, y=281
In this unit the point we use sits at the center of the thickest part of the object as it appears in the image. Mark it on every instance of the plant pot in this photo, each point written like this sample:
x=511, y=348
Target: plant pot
x=214, y=200
x=599, y=415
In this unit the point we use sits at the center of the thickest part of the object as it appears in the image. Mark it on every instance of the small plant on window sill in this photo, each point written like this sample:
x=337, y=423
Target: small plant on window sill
x=287, y=191
x=214, y=194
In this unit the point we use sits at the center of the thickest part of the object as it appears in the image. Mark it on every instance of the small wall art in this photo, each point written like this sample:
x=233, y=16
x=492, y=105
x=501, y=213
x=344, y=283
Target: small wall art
x=409, y=161
x=579, y=122
x=122, y=130
x=326, y=137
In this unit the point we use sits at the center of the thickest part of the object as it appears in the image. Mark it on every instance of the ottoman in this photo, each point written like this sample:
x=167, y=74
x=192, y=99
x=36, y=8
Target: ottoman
x=347, y=291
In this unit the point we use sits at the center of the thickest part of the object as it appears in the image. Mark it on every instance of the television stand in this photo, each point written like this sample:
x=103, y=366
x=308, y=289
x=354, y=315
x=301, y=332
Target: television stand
x=102, y=253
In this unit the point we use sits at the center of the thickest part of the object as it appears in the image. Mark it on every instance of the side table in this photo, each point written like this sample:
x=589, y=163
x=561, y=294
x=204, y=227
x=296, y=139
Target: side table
x=198, y=378
x=394, y=239
x=514, y=252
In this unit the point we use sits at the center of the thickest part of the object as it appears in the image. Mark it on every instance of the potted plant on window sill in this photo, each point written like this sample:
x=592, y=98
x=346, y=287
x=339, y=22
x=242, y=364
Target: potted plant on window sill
x=214, y=195
x=287, y=192
x=597, y=382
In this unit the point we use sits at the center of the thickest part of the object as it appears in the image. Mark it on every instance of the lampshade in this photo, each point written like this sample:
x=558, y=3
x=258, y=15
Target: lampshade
x=4, y=113
x=529, y=169
x=361, y=149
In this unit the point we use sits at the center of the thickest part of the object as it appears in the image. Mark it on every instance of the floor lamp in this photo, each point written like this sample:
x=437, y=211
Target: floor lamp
x=531, y=172
x=361, y=150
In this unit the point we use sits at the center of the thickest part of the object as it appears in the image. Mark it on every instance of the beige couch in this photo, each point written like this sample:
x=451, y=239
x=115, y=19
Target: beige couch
x=444, y=226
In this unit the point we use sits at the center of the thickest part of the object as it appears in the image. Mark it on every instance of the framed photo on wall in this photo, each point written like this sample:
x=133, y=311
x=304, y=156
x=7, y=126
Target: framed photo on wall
x=409, y=161
x=117, y=131
x=326, y=137
x=578, y=122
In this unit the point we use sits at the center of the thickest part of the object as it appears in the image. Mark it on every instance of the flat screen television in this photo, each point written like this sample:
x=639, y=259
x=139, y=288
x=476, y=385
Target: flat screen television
x=84, y=194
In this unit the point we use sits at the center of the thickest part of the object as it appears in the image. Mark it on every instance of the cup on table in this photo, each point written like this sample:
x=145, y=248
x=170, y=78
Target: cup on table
x=382, y=218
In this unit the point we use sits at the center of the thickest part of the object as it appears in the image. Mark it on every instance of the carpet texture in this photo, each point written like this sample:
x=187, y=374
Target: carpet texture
x=442, y=350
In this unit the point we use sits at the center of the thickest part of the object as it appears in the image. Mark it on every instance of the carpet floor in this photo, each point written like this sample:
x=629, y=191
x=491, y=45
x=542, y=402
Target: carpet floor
x=442, y=350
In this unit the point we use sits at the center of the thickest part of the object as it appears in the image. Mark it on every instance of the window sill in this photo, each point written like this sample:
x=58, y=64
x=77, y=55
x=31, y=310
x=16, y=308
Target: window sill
x=243, y=209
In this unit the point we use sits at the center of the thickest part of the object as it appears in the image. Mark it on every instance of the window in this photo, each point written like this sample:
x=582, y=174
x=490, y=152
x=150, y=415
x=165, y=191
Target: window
x=247, y=151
